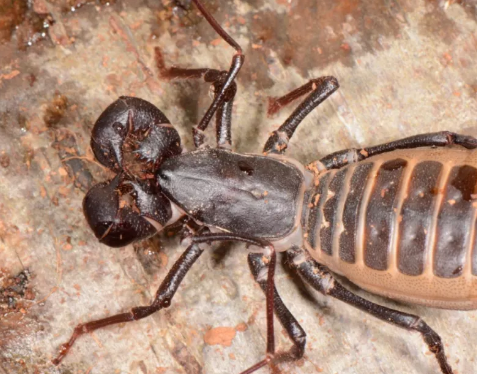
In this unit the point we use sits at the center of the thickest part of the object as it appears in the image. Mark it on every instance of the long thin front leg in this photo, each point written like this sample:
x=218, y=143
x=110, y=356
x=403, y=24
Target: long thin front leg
x=437, y=139
x=321, y=89
x=174, y=72
x=237, y=62
x=319, y=277
x=163, y=299
x=294, y=330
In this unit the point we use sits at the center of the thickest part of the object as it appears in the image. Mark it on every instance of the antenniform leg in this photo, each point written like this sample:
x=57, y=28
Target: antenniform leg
x=320, y=89
x=319, y=277
x=163, y=299
x=291, y=325
x=437, y=139
x=224, y=109
x=223, y=92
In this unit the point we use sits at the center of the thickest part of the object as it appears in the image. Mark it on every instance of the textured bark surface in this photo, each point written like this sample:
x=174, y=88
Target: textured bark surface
x=405, y=67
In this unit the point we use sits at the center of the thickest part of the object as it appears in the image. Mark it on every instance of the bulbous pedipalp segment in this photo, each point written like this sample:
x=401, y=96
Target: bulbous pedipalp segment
x=122, y=211
x=133, y=135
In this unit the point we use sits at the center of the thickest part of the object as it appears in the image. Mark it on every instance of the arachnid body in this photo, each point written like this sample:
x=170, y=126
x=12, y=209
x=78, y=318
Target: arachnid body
x=383, y=216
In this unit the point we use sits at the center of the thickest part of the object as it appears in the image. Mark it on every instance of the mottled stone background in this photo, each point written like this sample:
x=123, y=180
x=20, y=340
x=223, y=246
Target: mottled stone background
x=405, y=67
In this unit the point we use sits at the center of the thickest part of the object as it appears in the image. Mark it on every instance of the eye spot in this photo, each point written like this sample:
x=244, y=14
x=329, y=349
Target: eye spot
x=245, y=167
x=119, y=128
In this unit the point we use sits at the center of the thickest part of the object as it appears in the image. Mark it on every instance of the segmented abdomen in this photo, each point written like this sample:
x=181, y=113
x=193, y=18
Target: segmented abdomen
x=410, y=213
